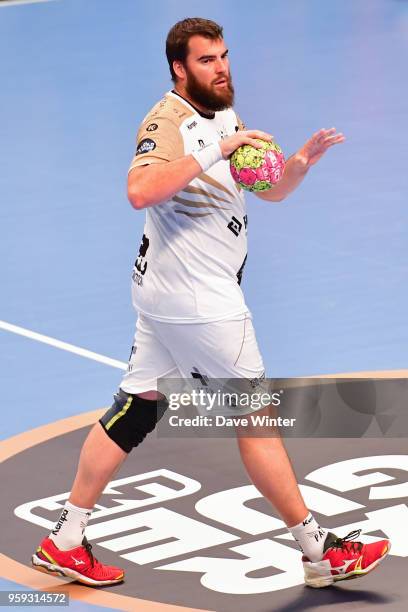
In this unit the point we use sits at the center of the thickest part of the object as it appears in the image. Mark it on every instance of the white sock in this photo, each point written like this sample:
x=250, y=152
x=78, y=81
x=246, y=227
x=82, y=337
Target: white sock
x=69, y=530
x=310, y=537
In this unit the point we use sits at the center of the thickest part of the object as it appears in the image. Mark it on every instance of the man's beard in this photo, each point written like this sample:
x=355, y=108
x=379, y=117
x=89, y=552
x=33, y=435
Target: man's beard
x=206, y=96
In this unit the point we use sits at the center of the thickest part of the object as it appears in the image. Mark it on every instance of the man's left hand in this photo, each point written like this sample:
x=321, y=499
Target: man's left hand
x=317, y=146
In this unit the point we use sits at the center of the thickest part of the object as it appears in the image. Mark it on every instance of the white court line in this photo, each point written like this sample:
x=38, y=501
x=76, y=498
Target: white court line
x=15, y=329
x=16, y=2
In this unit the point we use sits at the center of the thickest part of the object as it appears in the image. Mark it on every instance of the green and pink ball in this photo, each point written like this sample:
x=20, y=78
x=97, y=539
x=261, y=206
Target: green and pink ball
x=257, y=169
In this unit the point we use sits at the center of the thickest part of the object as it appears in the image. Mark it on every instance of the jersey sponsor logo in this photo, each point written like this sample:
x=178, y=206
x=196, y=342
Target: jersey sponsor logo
x=201, y=143
x=191, y=125
x=235, y=226
x=241, y=270
x=145, y=146
x=141, y=263
x=152, y=127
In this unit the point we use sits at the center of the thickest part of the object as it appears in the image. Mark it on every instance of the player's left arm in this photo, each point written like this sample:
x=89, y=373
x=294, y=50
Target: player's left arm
x=298, y=165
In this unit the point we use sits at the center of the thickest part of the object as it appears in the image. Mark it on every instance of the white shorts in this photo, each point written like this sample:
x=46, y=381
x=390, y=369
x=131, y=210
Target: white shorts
x=219, y=350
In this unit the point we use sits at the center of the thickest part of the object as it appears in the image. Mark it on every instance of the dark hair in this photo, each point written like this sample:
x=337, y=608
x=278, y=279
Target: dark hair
x=180, y=34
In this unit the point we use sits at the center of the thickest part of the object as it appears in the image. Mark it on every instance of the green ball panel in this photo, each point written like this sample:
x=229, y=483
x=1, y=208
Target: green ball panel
x=258, y=186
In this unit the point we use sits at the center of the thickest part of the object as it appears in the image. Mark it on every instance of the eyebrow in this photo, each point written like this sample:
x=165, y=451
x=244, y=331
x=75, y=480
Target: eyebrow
x=212, y=56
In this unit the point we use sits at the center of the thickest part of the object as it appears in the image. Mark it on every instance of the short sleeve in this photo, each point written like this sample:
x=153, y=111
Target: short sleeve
x=158, y=140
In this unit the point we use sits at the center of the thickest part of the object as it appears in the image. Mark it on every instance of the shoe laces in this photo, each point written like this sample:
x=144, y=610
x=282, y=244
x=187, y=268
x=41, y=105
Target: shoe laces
x=88, y=548
x=348, y=543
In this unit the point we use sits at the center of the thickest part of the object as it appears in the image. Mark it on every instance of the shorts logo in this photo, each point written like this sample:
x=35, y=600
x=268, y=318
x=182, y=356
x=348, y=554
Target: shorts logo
x=152, y=127
x=145, y=146
x=255, y=382
x=201, y=377
x=132, y=354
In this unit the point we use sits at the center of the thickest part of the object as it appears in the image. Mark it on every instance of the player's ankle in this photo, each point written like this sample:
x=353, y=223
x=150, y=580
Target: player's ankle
x=310, y=537
x=69, y=530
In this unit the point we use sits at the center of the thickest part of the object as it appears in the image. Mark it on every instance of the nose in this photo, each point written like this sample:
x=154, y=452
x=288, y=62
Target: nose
x=221, y=65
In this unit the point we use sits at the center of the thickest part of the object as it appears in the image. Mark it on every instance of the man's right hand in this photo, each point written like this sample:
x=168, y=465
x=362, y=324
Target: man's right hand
x=245, y=137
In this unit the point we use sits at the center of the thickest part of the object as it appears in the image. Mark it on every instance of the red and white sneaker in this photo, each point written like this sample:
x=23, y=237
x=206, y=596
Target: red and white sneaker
x=77, y=563
x=343, y=559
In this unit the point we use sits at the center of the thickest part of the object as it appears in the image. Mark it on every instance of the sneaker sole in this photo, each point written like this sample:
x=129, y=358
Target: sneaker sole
x=49, y=568
x=319, y=582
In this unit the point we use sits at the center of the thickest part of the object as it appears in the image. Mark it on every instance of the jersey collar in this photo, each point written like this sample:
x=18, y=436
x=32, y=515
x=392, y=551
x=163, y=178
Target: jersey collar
x=197, y=110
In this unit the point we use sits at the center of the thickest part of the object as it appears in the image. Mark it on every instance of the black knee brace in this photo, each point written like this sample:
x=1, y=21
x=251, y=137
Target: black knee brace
x=131, y=418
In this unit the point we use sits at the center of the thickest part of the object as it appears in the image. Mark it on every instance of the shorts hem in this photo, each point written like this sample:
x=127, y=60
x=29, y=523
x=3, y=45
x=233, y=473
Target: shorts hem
x=196, y=321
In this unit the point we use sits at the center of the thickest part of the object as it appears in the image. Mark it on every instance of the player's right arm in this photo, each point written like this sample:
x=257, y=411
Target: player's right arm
x=160, y=169
x=158, y=182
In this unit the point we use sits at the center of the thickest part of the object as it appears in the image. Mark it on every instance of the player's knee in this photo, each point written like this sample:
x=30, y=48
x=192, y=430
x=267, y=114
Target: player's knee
x=151, y=395
x=131, y=418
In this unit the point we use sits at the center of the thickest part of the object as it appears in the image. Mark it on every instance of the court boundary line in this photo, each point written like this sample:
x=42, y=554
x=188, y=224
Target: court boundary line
x=121, y=365
x=65, y=346
x=22, y=2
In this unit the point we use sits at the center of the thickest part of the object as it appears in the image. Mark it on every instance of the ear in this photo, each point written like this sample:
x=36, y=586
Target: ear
x=179, y=69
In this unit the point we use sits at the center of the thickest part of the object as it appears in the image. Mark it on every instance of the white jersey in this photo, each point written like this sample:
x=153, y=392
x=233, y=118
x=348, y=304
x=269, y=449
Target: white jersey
x=194, y=246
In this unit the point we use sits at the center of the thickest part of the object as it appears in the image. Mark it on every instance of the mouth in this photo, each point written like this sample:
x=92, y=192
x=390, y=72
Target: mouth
x=221, y=82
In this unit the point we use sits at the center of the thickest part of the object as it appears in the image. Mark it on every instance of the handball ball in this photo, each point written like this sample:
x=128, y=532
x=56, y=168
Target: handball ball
x=257, y=169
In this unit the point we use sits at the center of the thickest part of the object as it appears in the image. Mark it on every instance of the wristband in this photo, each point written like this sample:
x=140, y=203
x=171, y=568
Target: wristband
x=208, y=155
